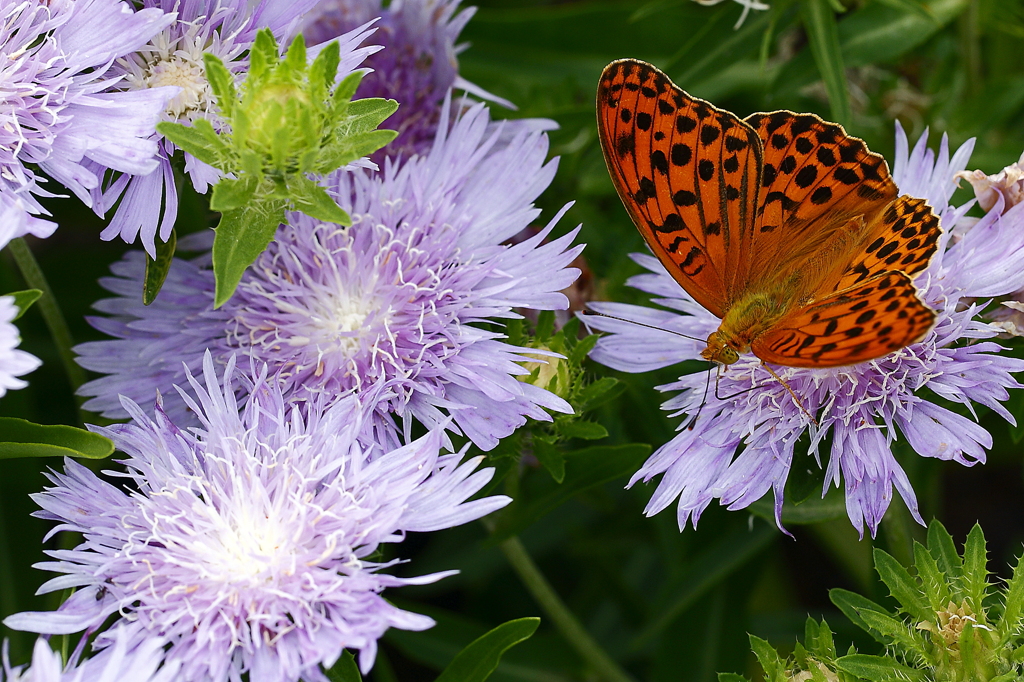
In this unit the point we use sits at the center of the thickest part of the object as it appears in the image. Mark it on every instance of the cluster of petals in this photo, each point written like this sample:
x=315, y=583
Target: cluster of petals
x=224, y=28
x=863, y=408
x=118, y=662
x=417, y=67
x=58, y=115
x=13, y=362
x=396, y=299
x=245, y=545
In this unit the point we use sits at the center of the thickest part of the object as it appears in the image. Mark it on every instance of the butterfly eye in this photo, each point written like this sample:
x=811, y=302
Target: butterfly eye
x=729, y=355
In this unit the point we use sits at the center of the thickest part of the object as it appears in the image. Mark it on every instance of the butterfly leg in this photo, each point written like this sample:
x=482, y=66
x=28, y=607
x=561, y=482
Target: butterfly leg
x=796, y=398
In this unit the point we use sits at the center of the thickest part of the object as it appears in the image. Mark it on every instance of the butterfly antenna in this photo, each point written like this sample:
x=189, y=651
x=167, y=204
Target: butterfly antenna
x=703, y=401
x=799, y=403
x=641, y=324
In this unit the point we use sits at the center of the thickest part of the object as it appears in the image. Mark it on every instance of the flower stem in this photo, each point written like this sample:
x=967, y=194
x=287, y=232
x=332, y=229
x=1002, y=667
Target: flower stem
x=600, y=663
x=51, y=312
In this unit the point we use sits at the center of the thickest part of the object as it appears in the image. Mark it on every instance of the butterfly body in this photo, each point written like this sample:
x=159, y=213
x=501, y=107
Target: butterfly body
x=780, y=224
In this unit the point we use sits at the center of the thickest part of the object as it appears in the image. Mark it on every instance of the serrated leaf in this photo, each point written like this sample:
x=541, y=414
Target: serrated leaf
x=345, y=670
x=477, y=661
x=24, y=300
x=585, y=469
x=1013, y=610
x=823, y=35
x=295, y=58
x=241, y=236
x=579, y=428
x=323, y=71
x=233, y=193
x=22, y=438
x=262, y=57
x=200, y=140
x=933, y=583
x=364, y=115
x=599, y=392
x=902, y=587
x=157, y=269
x=767, y=656
x=314, y=201
x=731, y=677
x=877, y=668
x=975, y=577
x=582, y=348
x=940, y=544
x=893, y=628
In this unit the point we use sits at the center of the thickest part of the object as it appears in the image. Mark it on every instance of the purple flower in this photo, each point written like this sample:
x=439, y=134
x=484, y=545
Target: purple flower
x=245, y=545
x=13, y=362
x=114, y=664
x=397, y=298
x=417, y=67
x=55, y=61
x=865, y=407
x=227, y=29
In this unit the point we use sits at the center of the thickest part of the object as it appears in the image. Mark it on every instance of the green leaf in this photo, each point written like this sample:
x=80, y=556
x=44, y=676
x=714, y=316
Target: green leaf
x=222, y=83
x=551, y=458
x=582, y=429
x=586, y=468
x=812, y=510
x=940, y=544
x=599, y=392
x=894, y=628
x=914, y=6
x=346, y=150
x=768, y=657
x=21, y=438
x=263, y=56
x=877, y=668
x=582, y=348
x=477, y=661
x=902, y=587
x=364, y=115
x=233, y=193
x=200, y=140
x=853, y=605
x=823, y=34
x=314, y=201
x=347, y=87
x=241, y=236
x=345, y=670
x=1013, y=610
x=24, y=299
x=731, y=677
x=323, y=71
x=295, y=59
x=156, y=270
x=975, y=578
x=933, y=583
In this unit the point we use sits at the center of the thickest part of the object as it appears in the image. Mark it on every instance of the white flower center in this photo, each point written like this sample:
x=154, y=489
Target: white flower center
x=249, y=548
x=188, y=75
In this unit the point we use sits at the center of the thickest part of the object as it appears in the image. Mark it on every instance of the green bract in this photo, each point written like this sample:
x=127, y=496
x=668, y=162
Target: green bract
x=288, y=121
x=951, y=625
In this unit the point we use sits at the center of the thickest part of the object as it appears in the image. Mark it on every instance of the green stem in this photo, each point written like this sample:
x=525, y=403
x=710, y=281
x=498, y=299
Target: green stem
x=51, y=312
x=600, y=663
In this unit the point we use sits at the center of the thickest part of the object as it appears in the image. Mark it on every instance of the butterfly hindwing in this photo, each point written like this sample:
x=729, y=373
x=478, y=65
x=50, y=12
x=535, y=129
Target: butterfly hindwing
x=688, y=174
x=872, y=319
x=904, y=238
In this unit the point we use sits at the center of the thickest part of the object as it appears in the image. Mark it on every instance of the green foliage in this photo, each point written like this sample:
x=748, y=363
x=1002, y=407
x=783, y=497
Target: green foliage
x=950, y=623
x=22, y=438
x=286, y=122
x=477, y=661
x=24, y=299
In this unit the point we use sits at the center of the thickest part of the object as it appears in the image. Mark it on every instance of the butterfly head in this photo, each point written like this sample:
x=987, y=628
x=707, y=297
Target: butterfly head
x=720, y=350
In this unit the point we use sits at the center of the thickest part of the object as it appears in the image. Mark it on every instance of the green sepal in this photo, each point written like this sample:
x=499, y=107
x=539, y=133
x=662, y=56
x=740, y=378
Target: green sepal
x=323, y=70
x=345, y=670
x=199, y=139
x=24, y=299
x=477, y=661
x=157, y=269
x=22, y=438
x=241, y=236
x=347, y=88
x=314, y=201
x=975, y=567
x=222, y=83
x=262, y=57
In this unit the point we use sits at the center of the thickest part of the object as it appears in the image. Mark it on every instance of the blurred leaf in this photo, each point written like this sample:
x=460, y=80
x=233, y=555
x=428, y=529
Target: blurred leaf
x=911, y=6
x=22, y=438
x=820, y=23
x=477, y=661
x=24, y=299
x=852, y=605
x=586, y=468
x=156, y=270
x=731, y=677
x=829, y=508
x=345, y=670
x=582, y=429
x=551, y=458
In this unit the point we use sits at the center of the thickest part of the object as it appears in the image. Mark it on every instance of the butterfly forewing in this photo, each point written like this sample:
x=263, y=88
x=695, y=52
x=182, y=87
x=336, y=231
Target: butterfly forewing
x=688, y=174
x=875, y=318
x=815, y=179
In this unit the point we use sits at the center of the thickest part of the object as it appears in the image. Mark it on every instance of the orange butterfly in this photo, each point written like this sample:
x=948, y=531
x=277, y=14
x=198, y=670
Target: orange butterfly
x=781, y=224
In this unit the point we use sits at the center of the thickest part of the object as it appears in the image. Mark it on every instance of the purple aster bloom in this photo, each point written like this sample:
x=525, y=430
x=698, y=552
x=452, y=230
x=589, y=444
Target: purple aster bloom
x=227, y=29
x=865, y=407
x=16, y=221
x=13, y=362
x=114, y=664
x=395, y=298
x=417, y=67
x=55, y=115
x=245, y=544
